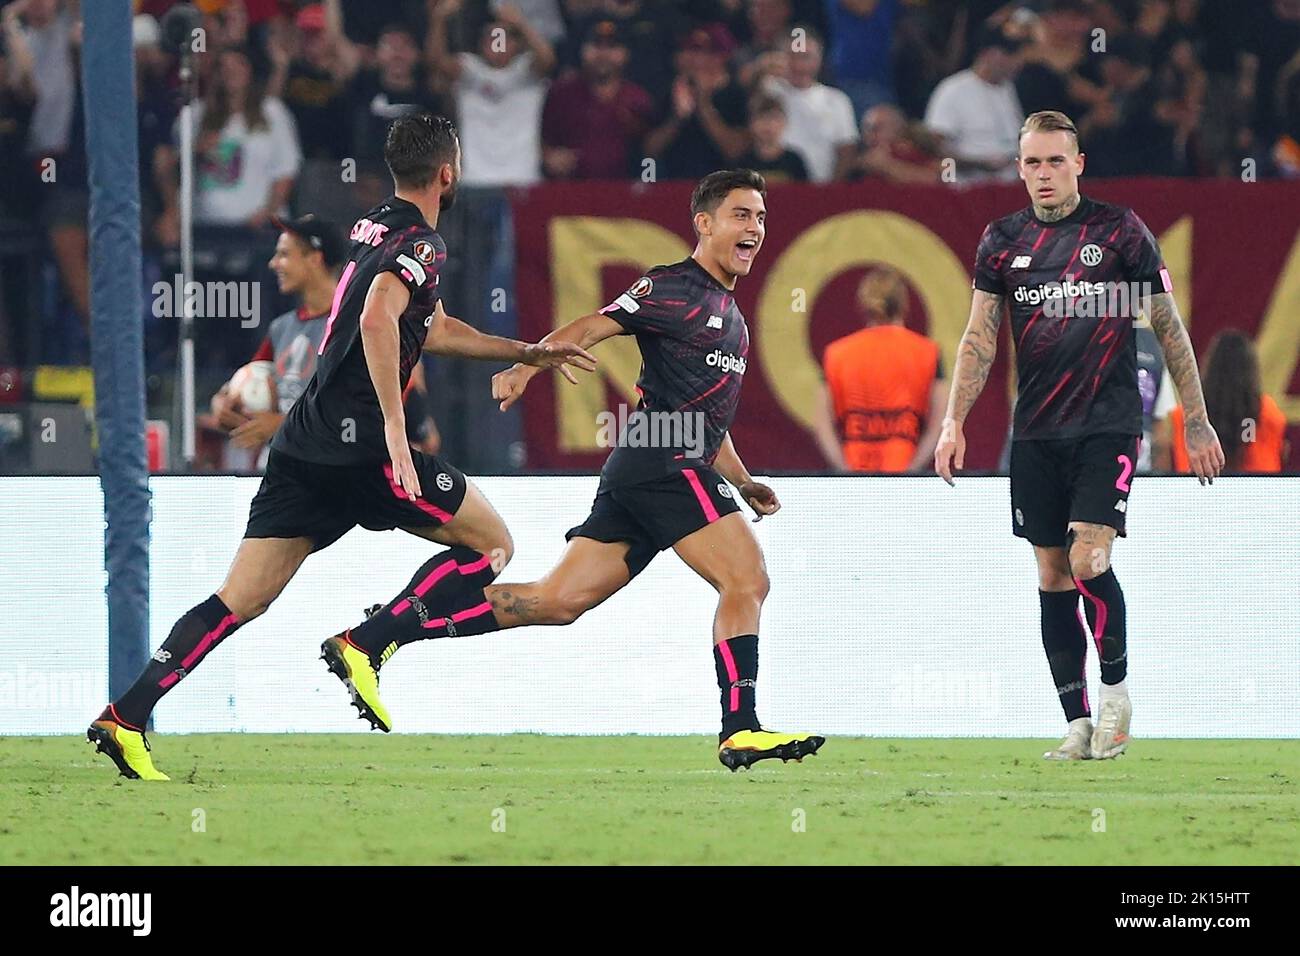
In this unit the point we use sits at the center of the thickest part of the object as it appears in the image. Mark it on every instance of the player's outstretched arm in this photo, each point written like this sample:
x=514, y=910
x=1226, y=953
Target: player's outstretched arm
x=758, y=495
x=448, y=335
x=1204, y=453
x=386, y=300
x=975, y=355
x=582, y=334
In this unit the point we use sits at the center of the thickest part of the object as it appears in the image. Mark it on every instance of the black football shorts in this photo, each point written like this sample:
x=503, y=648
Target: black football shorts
x=654, y=515
x=303, y=499
x=1056, y=481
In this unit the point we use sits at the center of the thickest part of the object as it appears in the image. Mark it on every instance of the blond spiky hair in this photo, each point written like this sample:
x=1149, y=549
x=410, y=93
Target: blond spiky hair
x=1049, y=121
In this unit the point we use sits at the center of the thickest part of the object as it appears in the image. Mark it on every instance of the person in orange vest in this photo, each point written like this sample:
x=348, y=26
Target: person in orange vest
x=884, y=396
x=1250, y=424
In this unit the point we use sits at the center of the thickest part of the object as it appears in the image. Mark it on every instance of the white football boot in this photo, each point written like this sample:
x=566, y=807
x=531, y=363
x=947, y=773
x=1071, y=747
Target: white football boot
x=1110, y=739
x=1077, y=744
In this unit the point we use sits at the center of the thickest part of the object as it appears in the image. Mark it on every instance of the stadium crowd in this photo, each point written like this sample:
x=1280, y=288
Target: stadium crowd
x=291, y=93
x=593, y=88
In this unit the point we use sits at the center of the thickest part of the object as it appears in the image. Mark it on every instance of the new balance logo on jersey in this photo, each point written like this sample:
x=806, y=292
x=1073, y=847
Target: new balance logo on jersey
x=1020, y=262
x=727, y=362
x=1121, y=506
x=1034, y=295
x=715, y=322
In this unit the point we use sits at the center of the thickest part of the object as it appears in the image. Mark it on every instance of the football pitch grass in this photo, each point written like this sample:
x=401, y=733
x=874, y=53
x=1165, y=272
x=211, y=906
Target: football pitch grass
x=419, y=799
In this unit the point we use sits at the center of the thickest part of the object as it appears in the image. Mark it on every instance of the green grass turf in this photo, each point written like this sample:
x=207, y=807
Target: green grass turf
x=309, y=799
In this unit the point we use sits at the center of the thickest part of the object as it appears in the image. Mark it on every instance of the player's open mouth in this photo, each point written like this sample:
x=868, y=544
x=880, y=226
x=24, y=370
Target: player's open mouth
x=745, y=249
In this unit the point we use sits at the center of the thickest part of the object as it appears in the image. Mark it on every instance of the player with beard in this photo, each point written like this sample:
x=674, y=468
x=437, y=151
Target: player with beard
x=341, y=457
x=1071, y=270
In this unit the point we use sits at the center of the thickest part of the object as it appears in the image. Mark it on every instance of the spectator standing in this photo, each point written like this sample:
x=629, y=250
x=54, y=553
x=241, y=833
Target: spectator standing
x=703, y=125
x=1050, y=76
x=861, y=50
x=47, y=28
x=594, y=118
x=313, y=81
x=398, y=85
x=17, y=100
x=1129, y=132
x=769, y=28
x=977, y=112
x=246, y=147
x=644, y=30
x=768, y=153
x=894, y=149
x=822, y=127
x=500, y=92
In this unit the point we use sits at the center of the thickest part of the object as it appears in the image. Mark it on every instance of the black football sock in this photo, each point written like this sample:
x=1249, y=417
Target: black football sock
x=437, y=602
x=736, y=663
x=1066, y=645
x=1104, y=602
x=198, y=631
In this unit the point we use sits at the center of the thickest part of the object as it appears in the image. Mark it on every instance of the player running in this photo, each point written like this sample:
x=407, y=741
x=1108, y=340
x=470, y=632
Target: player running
x=694, y=346
x=1065, y=266
x=342, y=458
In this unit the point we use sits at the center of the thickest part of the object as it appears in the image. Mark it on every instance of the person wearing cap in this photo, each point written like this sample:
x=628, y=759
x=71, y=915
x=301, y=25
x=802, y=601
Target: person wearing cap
x=594, y=117
x=313, y=79
x=977, y=111
x=308, y=257
x=703, y=124
x=500, y=91
x=246, y=145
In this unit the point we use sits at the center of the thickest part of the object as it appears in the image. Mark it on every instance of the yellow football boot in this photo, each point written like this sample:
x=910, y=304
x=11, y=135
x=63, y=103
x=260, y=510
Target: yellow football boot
x=125, y=747
x=353, y=666
x=747, y=747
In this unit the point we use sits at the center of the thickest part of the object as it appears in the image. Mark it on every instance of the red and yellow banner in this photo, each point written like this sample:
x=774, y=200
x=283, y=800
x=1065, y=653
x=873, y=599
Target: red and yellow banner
x=1233, y=250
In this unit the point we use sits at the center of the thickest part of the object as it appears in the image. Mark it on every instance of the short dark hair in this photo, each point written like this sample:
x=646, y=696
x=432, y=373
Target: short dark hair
x=396, y=26
x=417, y=146
x=713, y=188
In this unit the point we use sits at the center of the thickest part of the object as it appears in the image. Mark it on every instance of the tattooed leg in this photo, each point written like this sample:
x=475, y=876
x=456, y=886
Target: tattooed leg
x=588, y=573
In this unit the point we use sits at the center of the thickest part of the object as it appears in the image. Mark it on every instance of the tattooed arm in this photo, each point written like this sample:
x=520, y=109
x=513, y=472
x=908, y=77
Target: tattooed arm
x=1204, y=453
x=979, y=346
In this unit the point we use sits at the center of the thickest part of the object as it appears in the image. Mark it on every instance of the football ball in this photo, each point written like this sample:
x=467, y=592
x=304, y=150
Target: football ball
x=253, y=387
